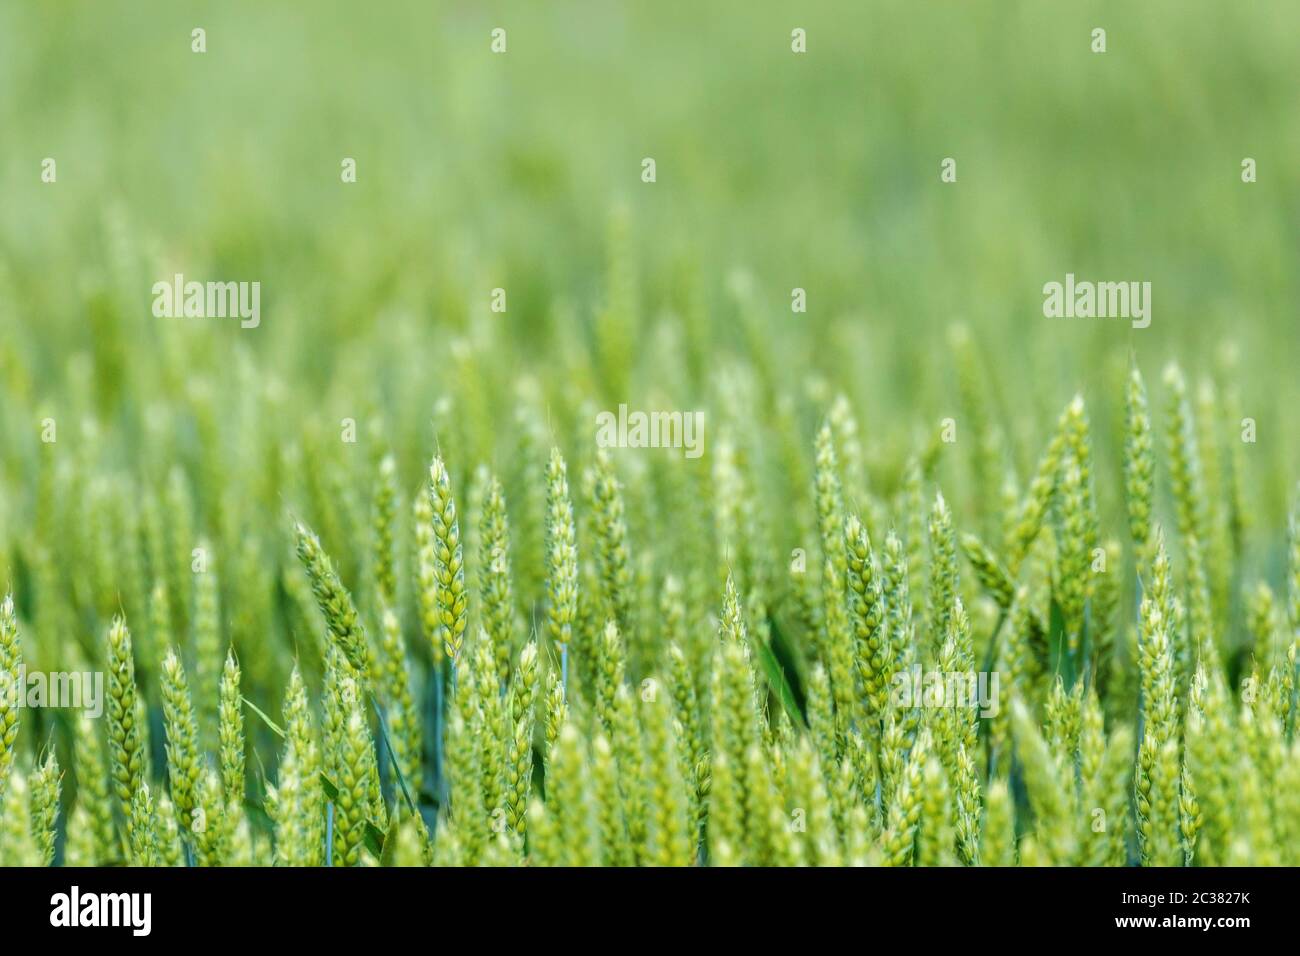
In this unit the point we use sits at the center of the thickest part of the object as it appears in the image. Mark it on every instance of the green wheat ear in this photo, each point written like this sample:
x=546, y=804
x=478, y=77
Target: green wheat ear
x=493, y=733
x=383, y=555
x=936, y=836
x=207, y=645
x=426, y=575
x=998, y=838
x=498, y=595
x=609, y=673
x=572, y=800
x=606, y=784
x=465, y=774
x=183, y=760
x=867, y=614
x=806, y=785
x=230, y=711
x=403, y=718
x=144, y=829
x=561, y=554
x=906, y=807
x=126, y=752
x=46, y=784
x=82, y=845
x=693, y=746
x=943, y=568
x=1049, y=795
x=94, y=799
x=448, y=561
x=1139, y=463
x=989, y=571
x=557, y=710
x=1184, y=457
x=352, y=778
x=669, y=841
x=17, y=845
x=518, y=767
x=829, y=499
x=294, y=812
x=298, y=804
x=613, y=557
x=1074, y=552
x=335, y=603
x=1042, y=488
x=11, y=660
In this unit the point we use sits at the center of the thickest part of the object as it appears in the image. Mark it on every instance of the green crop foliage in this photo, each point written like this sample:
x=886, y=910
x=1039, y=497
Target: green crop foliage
x=548, y=512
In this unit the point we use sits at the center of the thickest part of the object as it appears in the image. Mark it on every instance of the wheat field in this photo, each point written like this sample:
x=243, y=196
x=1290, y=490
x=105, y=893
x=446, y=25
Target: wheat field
x=643, y=436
